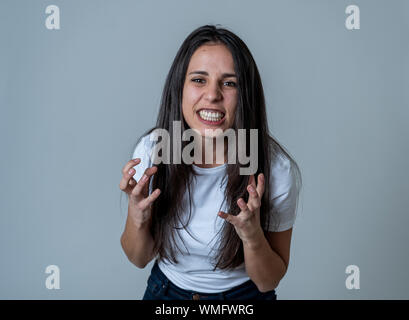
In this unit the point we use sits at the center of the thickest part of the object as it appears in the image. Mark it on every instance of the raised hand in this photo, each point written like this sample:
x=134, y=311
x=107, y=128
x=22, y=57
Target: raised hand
x=140, y=201
x=247, y=222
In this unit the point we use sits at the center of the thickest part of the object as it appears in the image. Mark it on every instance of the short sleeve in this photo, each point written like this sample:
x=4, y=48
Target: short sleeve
x=142, y=151
x=284, y=196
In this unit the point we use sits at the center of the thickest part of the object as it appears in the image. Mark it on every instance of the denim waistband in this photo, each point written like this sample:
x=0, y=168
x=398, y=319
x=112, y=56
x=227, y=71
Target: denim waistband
x=189, y=294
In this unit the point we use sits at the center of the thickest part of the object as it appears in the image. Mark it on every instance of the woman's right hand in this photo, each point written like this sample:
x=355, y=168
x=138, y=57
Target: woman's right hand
x=140, y=201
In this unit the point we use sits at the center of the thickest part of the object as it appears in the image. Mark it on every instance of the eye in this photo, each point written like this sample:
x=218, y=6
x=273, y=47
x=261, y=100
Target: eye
x=231, y=83
x=197, y=80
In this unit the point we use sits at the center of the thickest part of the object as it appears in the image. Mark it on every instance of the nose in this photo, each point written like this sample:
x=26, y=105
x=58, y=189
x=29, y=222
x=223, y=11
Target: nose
x=213, y=91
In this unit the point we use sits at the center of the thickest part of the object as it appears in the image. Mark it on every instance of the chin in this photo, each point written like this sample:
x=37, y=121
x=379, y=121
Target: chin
x=213, y=133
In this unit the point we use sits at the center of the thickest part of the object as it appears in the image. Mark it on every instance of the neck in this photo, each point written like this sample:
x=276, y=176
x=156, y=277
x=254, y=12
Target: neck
x=212, y=145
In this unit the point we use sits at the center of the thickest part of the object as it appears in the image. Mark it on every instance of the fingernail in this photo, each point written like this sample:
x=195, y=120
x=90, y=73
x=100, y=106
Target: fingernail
x=145, y=177
x=131, y=171
x=252, y=189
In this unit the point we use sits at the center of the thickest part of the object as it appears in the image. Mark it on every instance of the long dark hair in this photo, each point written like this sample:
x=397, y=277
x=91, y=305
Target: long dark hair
x=174, y=180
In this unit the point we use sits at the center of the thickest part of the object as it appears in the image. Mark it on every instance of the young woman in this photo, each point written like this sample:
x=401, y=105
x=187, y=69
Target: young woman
x=215, y=233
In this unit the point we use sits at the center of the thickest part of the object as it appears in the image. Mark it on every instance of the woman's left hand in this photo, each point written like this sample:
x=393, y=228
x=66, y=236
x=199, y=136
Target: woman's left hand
x=247, y=222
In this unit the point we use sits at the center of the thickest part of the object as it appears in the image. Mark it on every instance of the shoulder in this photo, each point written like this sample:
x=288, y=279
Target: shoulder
x=144, y=146
x=283, y=194
x=144, y=143
x=143, y=150
x=282, y=176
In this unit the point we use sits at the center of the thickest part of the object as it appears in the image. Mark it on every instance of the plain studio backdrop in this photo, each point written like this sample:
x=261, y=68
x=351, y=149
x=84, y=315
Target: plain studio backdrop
x=74, y=101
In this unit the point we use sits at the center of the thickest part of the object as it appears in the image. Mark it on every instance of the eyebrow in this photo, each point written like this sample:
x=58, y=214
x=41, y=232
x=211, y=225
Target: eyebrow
x=224, y=75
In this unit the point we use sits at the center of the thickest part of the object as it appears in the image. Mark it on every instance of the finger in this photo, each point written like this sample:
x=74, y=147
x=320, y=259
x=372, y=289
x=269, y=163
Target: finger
x=140, y=185
x=127, y=173
x=228, y=217
x=130, y=164
x=252, y=181
x=143, y=181
x=149, y=173
x=260, y=185
x=245, y=210
x=254, y=199
x=149, y=200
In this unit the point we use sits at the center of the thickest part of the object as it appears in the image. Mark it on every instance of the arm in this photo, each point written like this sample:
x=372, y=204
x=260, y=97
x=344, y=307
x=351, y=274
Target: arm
x=137, y=241
x=265, y=256
x=266, y=259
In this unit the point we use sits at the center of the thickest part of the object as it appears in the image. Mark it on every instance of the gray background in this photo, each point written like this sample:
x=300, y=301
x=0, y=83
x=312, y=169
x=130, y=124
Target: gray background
x=74, y=100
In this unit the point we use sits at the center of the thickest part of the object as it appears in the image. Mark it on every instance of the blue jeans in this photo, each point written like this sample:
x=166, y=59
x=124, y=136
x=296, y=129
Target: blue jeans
x=161, y=288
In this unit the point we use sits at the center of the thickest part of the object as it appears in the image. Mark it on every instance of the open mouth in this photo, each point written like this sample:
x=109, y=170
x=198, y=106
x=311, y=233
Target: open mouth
x=211, y=116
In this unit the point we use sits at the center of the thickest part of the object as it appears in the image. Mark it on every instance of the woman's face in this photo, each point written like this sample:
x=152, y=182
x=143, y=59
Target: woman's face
x=210, y=89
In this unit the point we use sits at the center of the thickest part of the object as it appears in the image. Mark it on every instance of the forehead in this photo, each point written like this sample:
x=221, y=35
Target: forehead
x=215, y=57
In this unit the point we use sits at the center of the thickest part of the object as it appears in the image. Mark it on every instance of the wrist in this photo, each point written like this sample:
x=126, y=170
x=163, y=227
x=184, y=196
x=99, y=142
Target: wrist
x=137, y=218
x=137, y=222
x=255, y=241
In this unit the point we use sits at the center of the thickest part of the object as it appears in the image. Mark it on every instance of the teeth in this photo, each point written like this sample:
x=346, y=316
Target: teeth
x=210, y=115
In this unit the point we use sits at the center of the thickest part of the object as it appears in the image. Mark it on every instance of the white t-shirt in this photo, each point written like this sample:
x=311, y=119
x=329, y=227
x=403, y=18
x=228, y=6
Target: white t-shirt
x=194, y=271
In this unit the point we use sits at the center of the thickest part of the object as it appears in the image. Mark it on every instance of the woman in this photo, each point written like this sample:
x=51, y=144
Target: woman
x=216, y=233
